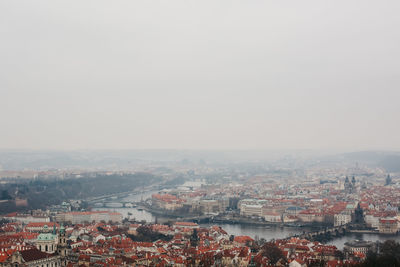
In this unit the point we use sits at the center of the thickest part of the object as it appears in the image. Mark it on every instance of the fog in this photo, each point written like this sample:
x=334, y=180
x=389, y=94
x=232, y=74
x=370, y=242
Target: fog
x=199, y=74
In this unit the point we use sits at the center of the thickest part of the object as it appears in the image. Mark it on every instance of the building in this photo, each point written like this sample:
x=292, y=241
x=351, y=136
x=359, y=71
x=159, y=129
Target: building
x=62, y=248
x=40, y=227
x=250, y=210
x=272, y=217
x=341, y=219
x=388, y=226
x=293, y=210
x=212, y=206
x=311, y=216
x=89, y=216
x=359, y=246
x=26, y=218
x=190, y=225
x=32, y=258
x=166, y=201
x=372, y=220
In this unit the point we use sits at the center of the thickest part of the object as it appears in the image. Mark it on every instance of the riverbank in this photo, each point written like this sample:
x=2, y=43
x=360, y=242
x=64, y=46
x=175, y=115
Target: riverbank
x=226, y=219
x=257, y=230
x=370, y=231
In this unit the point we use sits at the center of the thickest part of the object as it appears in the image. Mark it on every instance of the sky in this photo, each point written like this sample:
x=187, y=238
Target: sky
x=209, y=74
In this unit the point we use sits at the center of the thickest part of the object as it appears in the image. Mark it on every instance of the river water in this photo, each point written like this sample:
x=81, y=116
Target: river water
x=237, y=229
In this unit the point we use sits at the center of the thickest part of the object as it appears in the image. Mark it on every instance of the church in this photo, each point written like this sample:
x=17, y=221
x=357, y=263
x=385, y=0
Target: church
x=51, y=251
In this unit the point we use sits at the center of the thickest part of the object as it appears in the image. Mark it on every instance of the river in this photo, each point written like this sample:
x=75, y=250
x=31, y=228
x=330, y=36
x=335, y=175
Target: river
x=238, y=229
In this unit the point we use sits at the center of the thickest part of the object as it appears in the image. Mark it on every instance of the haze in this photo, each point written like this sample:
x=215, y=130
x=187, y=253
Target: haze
x=199, y=74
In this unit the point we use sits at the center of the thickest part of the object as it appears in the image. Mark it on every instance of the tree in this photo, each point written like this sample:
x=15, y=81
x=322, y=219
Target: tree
x=272, y=252
x=5, y=195
x=388, y=255
x=317, y=263
x=339, y=255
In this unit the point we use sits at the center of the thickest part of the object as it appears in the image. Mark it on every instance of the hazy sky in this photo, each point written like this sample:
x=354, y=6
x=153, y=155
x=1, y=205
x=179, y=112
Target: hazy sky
x=200, y=74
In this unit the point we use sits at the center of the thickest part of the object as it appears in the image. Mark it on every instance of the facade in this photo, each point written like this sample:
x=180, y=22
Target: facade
x=166, y=201
x=32, y=258
x=40, y=227
x=25, y=218
x=212, y=206
x=371, y=220
x=293, y=210
x=251, y=210
x=272, y=217
x=359, y=246
x=89, y=216
x=47, y=242
x=310, y=216
x=190, y=225
x=341, y=219
x=388, y=226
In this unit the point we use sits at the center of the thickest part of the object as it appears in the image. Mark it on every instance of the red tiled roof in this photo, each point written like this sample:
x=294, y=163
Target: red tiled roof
x=42, y=224
x=243, y=239
x=34, y=254
x=186, y=224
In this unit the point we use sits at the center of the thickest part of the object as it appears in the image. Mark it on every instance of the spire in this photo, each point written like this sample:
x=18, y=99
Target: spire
x=252, y=263
x=388, y=180
x=54, y=228
x=62, y=229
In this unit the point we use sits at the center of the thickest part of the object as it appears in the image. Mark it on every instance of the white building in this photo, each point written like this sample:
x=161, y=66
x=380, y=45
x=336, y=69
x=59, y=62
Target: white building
x=251, y=210
x=272, y=217
x=341, y=219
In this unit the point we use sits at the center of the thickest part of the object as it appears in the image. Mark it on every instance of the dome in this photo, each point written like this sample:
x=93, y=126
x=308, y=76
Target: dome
x=47, y=236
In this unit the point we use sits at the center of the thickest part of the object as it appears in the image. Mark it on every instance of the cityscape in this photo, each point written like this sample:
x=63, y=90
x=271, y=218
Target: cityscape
x=199, y=133
x=323, y=211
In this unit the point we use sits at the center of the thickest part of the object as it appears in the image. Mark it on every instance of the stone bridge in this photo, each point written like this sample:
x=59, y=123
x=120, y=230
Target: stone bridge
x=116, y=204
x=332, y=231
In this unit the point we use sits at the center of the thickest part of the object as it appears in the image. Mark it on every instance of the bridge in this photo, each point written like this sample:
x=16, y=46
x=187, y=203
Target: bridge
x=109, y=197
x=331, y=231
x=116, y=204
x=115, y=200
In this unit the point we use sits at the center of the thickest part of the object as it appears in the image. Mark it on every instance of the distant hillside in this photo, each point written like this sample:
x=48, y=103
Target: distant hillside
x=40, y=193
x=390, y=161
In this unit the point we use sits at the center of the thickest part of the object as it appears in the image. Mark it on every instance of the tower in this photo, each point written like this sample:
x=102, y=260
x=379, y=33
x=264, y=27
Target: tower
x=347, y=185
x=62, y=245
x=194, y=238
x=252, y=263
x=388, y=180
x=358, y=214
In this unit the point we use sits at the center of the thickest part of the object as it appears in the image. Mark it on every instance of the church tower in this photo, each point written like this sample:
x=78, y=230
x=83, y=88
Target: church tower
x=347, y=185
x=62, y=245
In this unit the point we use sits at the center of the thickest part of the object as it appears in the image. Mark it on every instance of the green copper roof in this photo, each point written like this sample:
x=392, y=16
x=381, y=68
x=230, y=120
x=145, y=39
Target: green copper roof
x=46, y=236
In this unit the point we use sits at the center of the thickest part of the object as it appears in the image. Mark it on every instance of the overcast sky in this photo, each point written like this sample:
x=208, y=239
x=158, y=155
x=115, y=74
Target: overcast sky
x=200, y=74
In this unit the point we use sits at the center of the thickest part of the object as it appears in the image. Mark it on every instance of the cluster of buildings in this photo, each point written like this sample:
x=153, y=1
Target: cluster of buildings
x=53, y=244
x=80, y=217
x=326, y=202
x=60, y=237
